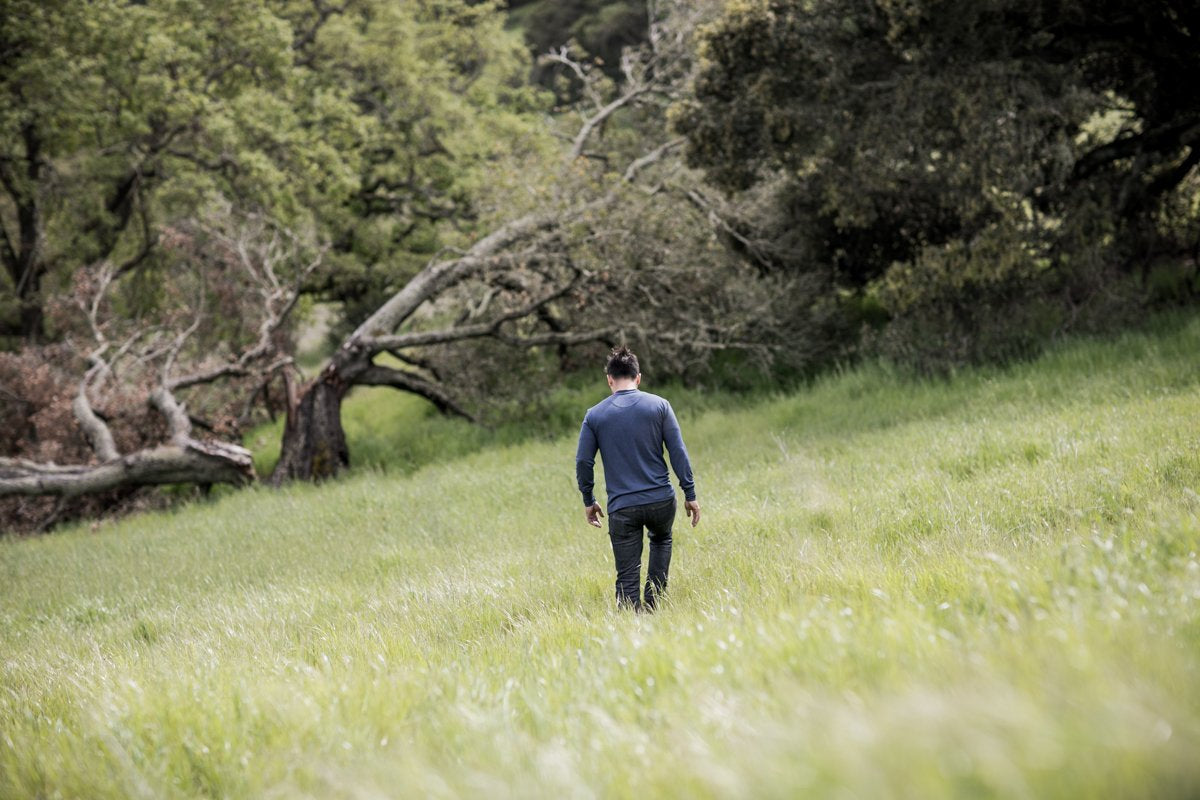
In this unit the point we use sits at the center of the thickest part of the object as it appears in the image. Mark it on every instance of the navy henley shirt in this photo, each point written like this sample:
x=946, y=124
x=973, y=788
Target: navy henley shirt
x=630, y=428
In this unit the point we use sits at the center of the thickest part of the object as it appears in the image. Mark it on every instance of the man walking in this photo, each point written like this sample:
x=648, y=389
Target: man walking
x=630, y=429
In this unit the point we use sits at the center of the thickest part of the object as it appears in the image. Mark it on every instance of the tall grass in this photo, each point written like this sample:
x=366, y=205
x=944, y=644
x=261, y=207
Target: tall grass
x=984, y=586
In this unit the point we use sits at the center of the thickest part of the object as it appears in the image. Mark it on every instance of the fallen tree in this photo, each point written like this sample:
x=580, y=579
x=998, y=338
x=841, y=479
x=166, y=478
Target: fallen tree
x=236, y=281
x=614, y=246
x=314, y=443
x=527, y=261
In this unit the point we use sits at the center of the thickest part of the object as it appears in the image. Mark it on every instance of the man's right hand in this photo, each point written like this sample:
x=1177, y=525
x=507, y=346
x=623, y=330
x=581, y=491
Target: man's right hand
x=693, y=510
x=591, y=513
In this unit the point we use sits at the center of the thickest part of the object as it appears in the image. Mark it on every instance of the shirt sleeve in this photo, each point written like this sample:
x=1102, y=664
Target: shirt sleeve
x=673, y=438
x=585, y=462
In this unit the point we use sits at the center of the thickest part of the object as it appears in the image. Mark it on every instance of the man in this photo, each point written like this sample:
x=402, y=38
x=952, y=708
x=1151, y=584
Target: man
x=630, y=429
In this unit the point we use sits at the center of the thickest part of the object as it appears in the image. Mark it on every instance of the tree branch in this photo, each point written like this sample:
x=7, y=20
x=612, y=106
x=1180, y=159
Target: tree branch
x=95, y=429
x=492, y=328
x=376, y=375
x=1171, y=178
x=178, y=422
x=193, y=462
x=278, y=300
x=438, y=276
x=721, y=222
x=560, y=56
x=1186, y=132
x=591, y=123
x=416, y=361
x=307, y=37
x=654, y=156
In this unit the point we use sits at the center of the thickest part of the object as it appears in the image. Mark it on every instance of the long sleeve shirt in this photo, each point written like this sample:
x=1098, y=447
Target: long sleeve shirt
x=630, y=429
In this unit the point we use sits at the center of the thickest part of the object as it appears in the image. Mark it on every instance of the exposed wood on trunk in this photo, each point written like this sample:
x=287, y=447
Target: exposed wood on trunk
x=192, y=462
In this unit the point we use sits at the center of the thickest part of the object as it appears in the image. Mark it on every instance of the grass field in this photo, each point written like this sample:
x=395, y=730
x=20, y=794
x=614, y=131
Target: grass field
x=987, y=586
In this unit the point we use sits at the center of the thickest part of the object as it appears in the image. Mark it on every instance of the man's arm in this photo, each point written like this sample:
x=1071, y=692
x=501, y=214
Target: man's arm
x=673, y=438
x=585, y=463
x=680, y=462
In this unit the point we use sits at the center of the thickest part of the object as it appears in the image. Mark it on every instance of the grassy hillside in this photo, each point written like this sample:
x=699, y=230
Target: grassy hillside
x=980, y=587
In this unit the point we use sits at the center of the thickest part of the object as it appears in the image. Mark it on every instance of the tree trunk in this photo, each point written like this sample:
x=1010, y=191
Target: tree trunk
x=33, y=320
x=314, y=442
x=190, y=461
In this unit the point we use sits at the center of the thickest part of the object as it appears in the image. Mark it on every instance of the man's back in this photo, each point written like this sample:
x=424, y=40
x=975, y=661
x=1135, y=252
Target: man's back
x=630, y=428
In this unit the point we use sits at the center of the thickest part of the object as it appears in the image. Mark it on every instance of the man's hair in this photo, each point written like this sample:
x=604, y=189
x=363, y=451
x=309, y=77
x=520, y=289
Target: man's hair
x=622, y=363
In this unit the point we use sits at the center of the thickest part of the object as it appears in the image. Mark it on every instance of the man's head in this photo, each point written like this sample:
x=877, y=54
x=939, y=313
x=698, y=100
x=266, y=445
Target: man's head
x=623, y=370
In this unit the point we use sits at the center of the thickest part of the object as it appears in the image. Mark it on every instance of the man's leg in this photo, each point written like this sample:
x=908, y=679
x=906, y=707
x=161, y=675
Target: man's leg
x=659, y=520
x=625, y=531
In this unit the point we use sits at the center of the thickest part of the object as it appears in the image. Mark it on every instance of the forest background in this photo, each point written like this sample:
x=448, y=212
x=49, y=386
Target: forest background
x=481, y=198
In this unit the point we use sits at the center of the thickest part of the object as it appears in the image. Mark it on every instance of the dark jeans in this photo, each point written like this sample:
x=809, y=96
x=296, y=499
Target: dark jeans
x=625, y=531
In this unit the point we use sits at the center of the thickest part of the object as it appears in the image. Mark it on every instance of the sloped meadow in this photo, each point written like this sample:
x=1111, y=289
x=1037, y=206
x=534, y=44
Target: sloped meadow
x=982, y=586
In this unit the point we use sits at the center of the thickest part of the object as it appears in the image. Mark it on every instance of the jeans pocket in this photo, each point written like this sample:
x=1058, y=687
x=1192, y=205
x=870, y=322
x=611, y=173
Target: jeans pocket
x=661, y=515
x=619, y=524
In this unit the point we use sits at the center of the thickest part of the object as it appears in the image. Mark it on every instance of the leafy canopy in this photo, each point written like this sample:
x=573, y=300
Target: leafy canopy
x=891, y=135
x=375, y=121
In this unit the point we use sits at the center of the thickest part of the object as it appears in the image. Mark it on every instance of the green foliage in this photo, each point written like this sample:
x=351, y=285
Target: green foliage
x=601, y=27
x=937, y=146
x=113, y=115
x=378, y=123
x=437, y=95
x=985, y=586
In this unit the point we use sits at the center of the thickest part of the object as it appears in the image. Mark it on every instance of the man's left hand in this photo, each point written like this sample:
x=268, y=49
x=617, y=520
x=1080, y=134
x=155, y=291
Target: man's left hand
x=591, y=513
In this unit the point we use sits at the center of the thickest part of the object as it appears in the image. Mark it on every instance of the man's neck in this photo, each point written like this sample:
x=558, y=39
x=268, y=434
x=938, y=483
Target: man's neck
x=623, y=386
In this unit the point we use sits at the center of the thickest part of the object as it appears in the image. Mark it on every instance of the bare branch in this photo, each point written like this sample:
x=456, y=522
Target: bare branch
x=461, y=332
x=95, y=429
x=562, y=56
x=262, y=388
x=654, y=156
x=178, y=422
x=560, y=337
x=719, y=220
x=172, y=351
x=591, y=123
x=438, y=276
x=416, y=361
x=92, y=310
x=278, y=300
